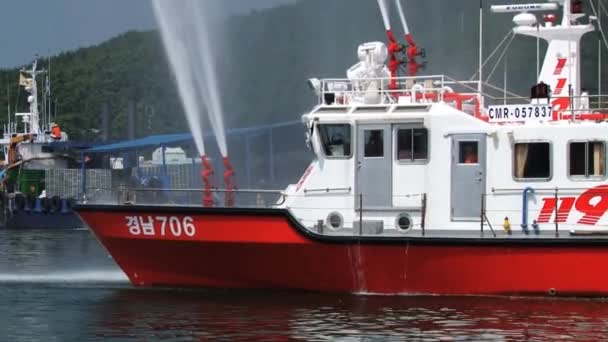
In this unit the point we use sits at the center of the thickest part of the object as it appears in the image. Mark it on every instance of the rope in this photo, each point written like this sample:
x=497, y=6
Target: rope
x=500, y=58
x=603, y=9
x=493, y=52
x=599, y=26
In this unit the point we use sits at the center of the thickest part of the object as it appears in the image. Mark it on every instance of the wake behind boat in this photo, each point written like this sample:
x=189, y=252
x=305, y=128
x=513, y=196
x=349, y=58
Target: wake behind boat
x=420, y=184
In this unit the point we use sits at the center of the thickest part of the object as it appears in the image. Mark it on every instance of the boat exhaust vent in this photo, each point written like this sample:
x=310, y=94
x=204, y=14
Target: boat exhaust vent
x=404, y=222
x=335, y=220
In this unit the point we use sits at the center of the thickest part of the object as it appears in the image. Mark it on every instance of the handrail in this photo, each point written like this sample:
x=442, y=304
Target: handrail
x=350, y=90
x=190, y=190
x=127, y=194
x=537, y=189
x=327, y=189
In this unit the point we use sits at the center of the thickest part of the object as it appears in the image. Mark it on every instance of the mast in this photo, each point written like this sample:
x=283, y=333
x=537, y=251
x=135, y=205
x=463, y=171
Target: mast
x=561, y=66
x=28, y=80
x=33, y=100
x=8, y=108
x=479, y=86
x=48, y=92
x=599, y=56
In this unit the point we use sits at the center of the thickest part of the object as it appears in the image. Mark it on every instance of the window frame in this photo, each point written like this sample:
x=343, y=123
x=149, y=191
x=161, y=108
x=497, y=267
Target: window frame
x=350, y=126
x=410, y=161
x=532, y=141
x=586, y=177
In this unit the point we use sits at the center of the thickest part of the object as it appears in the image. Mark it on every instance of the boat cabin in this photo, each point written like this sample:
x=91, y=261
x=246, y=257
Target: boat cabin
x=438, y=156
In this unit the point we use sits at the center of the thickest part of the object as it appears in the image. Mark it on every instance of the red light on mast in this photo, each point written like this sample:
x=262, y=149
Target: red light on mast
x=550, y=18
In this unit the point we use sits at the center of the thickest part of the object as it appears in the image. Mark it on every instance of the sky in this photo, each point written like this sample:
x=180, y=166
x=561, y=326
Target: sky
x=47, y=27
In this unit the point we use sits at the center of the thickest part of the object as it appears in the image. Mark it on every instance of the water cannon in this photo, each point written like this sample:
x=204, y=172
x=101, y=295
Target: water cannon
x=206, y=175
x=399, y=54
x=413, y=67
x=412, y=51
x=228, y=175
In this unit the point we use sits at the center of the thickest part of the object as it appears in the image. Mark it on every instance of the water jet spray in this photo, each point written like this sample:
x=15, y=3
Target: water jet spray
x=412, y=51
x=393, y=46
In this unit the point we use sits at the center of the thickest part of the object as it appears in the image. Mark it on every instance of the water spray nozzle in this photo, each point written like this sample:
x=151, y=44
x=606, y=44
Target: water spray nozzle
x=206, y=175
x=228, y=174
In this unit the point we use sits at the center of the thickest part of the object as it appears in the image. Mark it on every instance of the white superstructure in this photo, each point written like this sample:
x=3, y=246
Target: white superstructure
x=429, y=157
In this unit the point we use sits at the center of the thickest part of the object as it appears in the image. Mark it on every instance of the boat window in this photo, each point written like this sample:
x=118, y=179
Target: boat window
x=467, y=152
x=335, y=139
x=587, y=159
x=532, y=161
x=374, y=143
x=412, y=144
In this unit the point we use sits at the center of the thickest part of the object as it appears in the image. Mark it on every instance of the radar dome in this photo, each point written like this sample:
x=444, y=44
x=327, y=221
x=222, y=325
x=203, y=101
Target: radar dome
x=525, y=19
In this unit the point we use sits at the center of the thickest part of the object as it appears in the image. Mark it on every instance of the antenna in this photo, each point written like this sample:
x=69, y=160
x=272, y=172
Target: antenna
x=8, y=101
x=50, y=103
x=479, y=85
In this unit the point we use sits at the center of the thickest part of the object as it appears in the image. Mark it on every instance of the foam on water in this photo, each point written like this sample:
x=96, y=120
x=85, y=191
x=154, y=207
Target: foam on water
x=109, y=276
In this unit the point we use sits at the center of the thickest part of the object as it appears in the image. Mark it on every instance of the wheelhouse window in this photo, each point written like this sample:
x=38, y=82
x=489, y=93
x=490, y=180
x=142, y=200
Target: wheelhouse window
x=336, y=140
x=532, y=161
x=587, y=159
x=374, y=143
x=412, y=144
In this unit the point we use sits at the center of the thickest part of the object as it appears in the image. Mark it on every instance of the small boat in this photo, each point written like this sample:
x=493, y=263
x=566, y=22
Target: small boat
x=38, y=180
x=419, y=185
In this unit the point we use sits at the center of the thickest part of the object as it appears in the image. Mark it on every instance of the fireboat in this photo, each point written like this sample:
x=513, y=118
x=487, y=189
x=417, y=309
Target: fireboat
x=419, y=185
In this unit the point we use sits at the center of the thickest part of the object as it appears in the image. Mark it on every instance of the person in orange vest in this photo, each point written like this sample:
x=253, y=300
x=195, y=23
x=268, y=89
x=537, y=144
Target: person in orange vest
x=55, y=131
x=470, y=155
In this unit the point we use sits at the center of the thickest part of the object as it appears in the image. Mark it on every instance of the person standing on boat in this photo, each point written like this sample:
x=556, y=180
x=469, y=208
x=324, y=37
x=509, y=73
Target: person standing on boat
x=55, y=131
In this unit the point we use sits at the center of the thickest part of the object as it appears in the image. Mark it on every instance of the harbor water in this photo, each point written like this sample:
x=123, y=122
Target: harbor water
x=62, y=286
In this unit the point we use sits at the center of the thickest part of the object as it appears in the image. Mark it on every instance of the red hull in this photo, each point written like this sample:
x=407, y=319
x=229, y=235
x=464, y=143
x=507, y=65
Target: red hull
x=267, y=249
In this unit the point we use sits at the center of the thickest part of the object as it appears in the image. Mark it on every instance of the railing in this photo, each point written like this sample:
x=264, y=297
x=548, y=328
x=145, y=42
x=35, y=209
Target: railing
x=580, y=104
x=327, y=190
x=557, y=206
x=305, y=211
x=440, y=88
x=343, y=91
x=194, y=197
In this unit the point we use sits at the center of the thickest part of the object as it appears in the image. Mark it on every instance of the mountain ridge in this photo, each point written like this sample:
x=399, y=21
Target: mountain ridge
x=263, y=60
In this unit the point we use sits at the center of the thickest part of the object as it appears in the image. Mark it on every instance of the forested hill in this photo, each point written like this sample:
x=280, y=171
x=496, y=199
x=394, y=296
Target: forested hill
x=263, y=60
